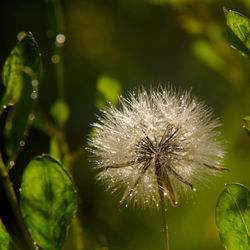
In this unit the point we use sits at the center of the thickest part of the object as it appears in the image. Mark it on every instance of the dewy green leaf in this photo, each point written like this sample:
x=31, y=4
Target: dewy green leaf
x=48, y=201
x=232, y=216
x=20, y=73
x=108, y=90
x=246, y=125
x=23, y=59
x=6, y=242
x=239, y=31
x=60, y=112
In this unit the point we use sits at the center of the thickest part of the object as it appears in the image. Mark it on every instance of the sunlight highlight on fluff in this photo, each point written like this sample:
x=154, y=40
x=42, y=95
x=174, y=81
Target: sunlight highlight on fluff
x=156, y=142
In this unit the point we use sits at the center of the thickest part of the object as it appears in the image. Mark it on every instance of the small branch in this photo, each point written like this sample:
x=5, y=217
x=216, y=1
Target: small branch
x=11, y=195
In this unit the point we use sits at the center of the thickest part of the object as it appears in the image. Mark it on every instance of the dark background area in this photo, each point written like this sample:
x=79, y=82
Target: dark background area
x=138, y=42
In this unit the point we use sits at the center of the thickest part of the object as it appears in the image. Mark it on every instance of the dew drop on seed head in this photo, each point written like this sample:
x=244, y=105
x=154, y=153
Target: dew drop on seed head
x=165, y=194
x=20, y=190
x=126, y=205
x=176, y=203
x=22, y=143
x=4, y=106
x=194, y=189
x=150, y=185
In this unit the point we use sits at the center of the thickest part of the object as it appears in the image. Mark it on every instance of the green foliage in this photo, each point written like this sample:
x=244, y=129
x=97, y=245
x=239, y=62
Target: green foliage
x=246, y=125
x=239, y=31
x=5, y=240
x=20, y=73
x=48, y=201
x=108, y=90
x=60, y=112
x=205, y=52
x=233, y=217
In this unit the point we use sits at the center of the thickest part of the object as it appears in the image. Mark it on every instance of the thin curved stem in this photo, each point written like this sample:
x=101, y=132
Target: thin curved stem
x=164, y=220
x=56, y=21
x=11, y=195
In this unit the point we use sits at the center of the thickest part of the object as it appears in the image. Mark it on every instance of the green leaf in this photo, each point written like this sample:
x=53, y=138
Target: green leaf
x=108, y=90
x=232, y=216
x=24, y=59
x=48, y=201
x=20, y=73
x=5, y=239
x=60, y=112
x=246, y=125
x=239, y=31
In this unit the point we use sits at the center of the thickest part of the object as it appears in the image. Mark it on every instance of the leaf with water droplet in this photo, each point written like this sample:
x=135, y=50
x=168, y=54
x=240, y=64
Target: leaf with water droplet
x=48, y=201
x=60, y=112
x=23, y=59
x=108, y=90
x=20, y=70
x=239, y=31
x=232, y=216
x=246, y=125
x=5, y=239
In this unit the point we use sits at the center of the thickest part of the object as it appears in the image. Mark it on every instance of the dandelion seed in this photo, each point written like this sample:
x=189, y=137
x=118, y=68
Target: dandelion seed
x=156, y=143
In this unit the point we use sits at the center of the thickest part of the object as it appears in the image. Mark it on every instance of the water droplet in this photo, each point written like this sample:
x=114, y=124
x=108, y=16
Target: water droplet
x=176, y=203
x=33, y=95
x=28, y=70
x=35, y=244
x=165, y=194
x=31, y=117
x=20, y=190
x=157, y=205
x=126, y=205
x=130, y=195
x=21, y=35
x=4, y=106
x=150, y=185
x=60, y=39
x=11, y=164
x=34, y=83
x=194, y=189
x=55, y=59
x=22, y=143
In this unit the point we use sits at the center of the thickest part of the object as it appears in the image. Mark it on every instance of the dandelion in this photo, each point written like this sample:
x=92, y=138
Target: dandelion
x=157, y=144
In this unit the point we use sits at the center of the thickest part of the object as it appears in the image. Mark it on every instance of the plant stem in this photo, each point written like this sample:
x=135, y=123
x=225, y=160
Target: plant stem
x=57, y=25
x=11, y=195
x=55, y=15
x=164, y=220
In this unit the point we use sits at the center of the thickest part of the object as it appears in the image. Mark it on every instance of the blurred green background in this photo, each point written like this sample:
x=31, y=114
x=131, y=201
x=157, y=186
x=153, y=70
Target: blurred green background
x=134, y=43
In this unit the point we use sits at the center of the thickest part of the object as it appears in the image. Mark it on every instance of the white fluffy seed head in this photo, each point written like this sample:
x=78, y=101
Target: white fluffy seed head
x=165, y=126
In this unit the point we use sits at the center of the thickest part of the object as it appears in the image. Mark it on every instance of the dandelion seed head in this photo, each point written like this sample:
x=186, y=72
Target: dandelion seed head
x=162, y=139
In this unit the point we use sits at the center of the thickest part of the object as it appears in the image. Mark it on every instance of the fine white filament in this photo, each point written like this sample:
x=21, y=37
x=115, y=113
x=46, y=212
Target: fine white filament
x=159, y=140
